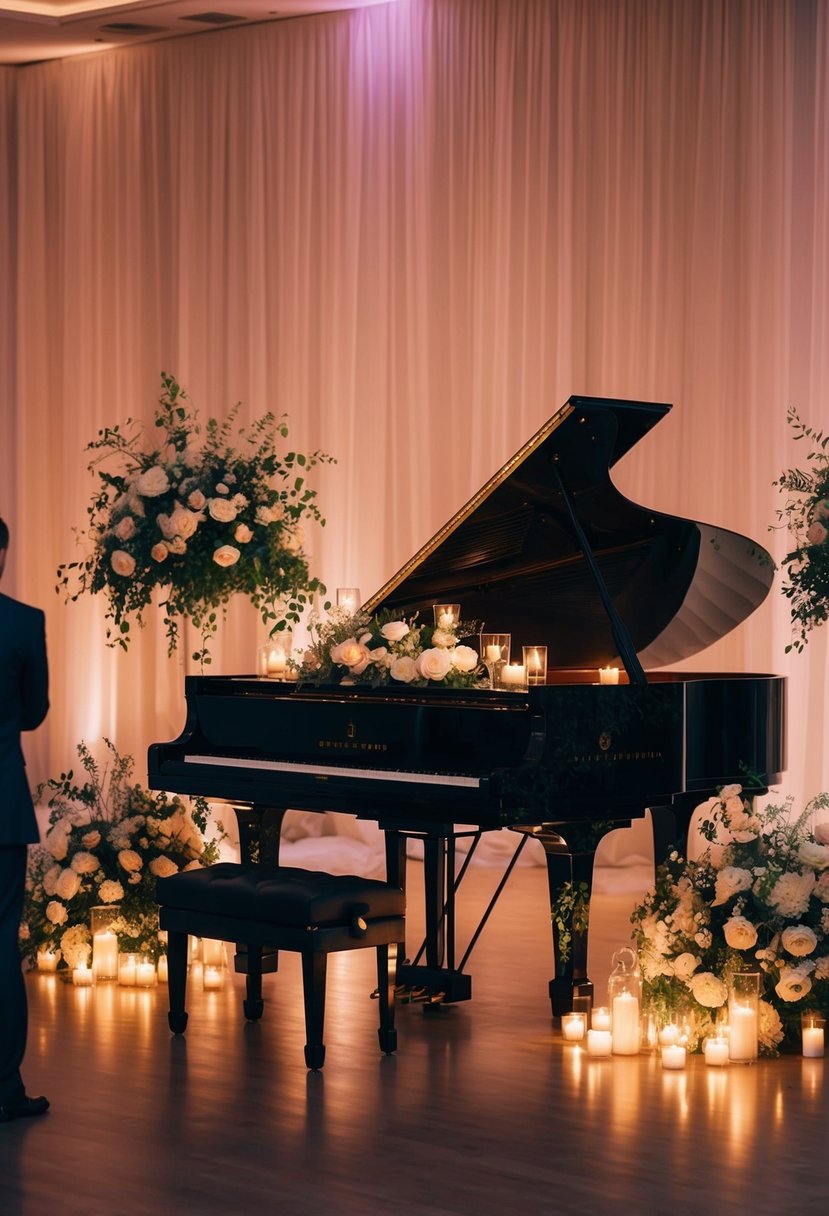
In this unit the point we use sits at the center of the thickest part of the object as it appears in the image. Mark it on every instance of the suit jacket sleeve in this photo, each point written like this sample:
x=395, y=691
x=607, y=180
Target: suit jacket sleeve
x=35, y=683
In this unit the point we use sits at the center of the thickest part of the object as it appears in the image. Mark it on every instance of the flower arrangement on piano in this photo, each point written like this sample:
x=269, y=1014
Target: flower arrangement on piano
x=806, y=513
x=108, y=841
x=756, y=898
x=200, y=513
x=357, y=648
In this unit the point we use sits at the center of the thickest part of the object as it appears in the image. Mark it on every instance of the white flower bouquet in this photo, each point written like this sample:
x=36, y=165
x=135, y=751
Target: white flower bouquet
x=356, y=648
x=201, y=513
x=108, y=841
x=758, y=897
x=806, y=514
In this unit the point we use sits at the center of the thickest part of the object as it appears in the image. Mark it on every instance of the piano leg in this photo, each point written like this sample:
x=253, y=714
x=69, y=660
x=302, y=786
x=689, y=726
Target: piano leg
x=260, y=834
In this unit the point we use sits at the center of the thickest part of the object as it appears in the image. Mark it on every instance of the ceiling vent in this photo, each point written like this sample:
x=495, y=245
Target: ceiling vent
x=130, y=27
x=214, y=18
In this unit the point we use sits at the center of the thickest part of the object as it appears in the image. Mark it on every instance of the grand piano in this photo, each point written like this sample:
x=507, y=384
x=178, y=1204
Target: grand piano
x=551, y=552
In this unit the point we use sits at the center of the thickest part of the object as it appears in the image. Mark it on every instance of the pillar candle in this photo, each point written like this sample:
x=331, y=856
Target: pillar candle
x=105, y=955
x=144, y=975
x=716, y=1051
x=669, y=1035
x=625, y=1024
x=673, y=1056
x=126, y=971
x=608, y=675
x=162, y=969
x=513, y=673
x=599, y=1042
x=742, y=1036
x=813, y=1042
x=82, y=977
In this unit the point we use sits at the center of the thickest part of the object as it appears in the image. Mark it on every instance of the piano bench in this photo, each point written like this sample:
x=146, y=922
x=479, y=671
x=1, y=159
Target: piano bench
x=286, y=908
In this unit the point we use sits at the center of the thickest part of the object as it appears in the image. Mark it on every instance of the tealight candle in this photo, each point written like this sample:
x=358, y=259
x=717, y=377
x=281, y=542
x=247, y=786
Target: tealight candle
x=47, y=960
x=716, y=1051
x=82, y=977
x=599, y=1042
x=600, y=1018
x=669, y=1035
x=608, y=675
x=212, y=978
x=673, y=1056
x=573, y=1026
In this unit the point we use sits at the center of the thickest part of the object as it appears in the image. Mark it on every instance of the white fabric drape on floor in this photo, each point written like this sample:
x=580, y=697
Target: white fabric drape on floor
x=418, y=228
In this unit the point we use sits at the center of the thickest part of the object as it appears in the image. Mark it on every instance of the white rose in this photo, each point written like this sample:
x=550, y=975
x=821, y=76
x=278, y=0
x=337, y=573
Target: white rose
x=442, y=637
x=122, y=562
x=729, y=791
x=403, y=669
x=226, y=555
x=394, y=631
x=685, y=965
x=221, y=488
x=794, y=984
x=184, y=522
x=110, y=891
x=56, y=913
x=165, y=525
x=221, y=510
x=346, y=653
x=798, y=940
x=740, y=933
x=821, y=832
x=159, y=552
x=433, y=664
x=464, y=658
x=196, y=500
x=130, y=860
x=813, y=854
x=50, y=879
x=85, y=863
x=239, y=501
x=708, y=989
x=163, y=867
x=731, y=880
x=294, y=539
x=57, y=842
x=152, y=482
x=125, y=528
x=817, y=533
x=379, y=655
x=243, y=534
x=91, y=840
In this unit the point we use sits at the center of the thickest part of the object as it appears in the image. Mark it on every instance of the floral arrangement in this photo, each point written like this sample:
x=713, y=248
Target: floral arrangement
x=108, y=841
x=357, y=648
x=757, y=898
x=200, y=513
x=806, y=513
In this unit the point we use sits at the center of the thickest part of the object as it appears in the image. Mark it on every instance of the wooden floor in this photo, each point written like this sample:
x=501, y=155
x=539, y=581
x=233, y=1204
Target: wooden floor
x=483, y=1109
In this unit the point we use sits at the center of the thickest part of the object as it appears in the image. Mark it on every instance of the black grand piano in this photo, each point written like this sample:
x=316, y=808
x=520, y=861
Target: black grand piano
x=549, y=551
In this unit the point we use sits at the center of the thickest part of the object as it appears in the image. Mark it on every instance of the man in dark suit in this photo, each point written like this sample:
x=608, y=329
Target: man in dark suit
x=24, y=700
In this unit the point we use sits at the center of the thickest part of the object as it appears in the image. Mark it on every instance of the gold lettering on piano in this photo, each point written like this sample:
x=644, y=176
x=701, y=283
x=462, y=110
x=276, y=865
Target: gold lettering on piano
x=606, y=756
x=342, y=745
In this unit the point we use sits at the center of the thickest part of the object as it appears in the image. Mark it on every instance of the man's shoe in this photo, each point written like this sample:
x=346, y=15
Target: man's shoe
x=25, y=1108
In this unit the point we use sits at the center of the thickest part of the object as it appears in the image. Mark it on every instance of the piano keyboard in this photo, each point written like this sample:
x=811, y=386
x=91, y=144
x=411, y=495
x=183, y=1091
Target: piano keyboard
x=332, y=770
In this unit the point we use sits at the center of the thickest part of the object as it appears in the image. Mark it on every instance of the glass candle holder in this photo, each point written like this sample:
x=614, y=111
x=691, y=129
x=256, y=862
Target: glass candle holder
x=104, y=941
x=608, y=675
x=673, y=1056
x=348, y=598
x=494, y=648
x=535, y=664
x=813, y=1030
x=743, y=1016
x=513, y=677
x=212, y=952
x=447, y=616
x=573, y=1026
x=600, y=1018
x=83, y=977
x=47, y=960
x=599, y=1042
x=212, y=978
x=144, y=973
x=126, y=970
x=273, y=658
x=715, y=1050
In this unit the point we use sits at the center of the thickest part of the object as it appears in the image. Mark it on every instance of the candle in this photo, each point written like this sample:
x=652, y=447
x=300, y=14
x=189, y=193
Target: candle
x=742, y=1035
x=673, y=1056
x=573, y=1026
x=348, y=598
x=212, y=978
x=277, y=662
x=493, y=654
x=669, y=1035
x=716, y=1051
x=162, y=969
x=608, y=675
x=599, y=1042
x=212, y=952
x=513, y=673
x=600, y=1018
x=47, y=960
x=144, y=975
x=105, y=955
x=813, y=1042
x=535, y=661
x=446, y=620
x=625, y=1024
x=82, y=977
x=126, y=970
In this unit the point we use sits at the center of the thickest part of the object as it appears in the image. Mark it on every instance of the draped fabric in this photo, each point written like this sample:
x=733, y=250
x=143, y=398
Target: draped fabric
x=417, y=228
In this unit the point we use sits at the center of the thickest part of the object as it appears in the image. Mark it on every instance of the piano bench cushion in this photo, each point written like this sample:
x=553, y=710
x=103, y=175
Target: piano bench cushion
x=279, y=895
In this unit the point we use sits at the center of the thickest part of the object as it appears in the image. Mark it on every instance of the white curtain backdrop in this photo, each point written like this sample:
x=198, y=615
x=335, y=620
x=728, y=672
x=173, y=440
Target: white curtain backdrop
x=418, y=228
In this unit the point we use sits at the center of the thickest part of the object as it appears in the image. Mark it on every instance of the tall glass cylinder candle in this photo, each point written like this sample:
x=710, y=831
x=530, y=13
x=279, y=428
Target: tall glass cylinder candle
x=535, y=664
x=743, y=1016
x=104, y=941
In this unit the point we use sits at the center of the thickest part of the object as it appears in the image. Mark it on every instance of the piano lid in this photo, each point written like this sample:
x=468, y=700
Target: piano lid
x=512, y=556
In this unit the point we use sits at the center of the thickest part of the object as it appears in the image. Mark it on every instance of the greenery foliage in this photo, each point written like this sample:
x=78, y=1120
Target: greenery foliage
x=806, y=515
